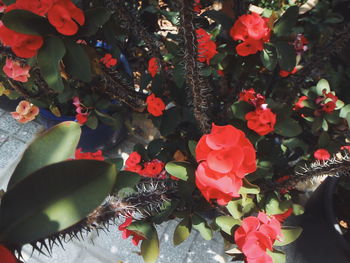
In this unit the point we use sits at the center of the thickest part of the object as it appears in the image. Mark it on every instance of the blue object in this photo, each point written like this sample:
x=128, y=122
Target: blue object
x=104, y=137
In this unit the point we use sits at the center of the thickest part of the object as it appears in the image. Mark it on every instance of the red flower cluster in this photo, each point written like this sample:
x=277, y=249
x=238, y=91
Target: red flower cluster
x=250, y=96
x=253, y=30
x=6, y=256
x=322, y=155
x=82, y=112
x=206, y=46
x=225, y=156
x=284, y=73
x=153, y=67
x=328, y=103
x=89, y=155
x=256, y=235
x=14, y=70
x=197, y=6
x=25, y=112
x=108, y=60
x=262, y=121
x=24, y=46
x=300, y=44
x=155, y=105
x=153, y=169
x=126, y=232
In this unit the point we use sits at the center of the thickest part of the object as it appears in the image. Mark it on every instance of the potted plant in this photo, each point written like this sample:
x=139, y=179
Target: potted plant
x=243, y=97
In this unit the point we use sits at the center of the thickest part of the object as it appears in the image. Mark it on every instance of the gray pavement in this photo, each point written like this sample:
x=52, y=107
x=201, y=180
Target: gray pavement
x=103, y=247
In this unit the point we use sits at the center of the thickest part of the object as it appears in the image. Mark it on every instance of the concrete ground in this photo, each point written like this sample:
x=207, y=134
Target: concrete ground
x=103, y=247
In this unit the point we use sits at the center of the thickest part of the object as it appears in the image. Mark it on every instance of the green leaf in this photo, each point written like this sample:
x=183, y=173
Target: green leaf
x=289, y=235
x=61, y=195
x=240, y=109
x=55, y=145
x=155, y=147
x=235, y=208
x=126, y=179
x=249, y=188
x=192, y=147
x=322, y=84
x=92, y=121
x=170, y=120
x=344, y=111
x=201, y=225
x=26, y=22
x=49, y=57
x=76, y=61
x=316, y=125
x=274, y=206
x=181, y=170
x=286, y=22
x=182, y=231
x=269, y=57
x=9, y=2
x=94, y=19
x=286, y=56
x=108, y=120
x=288, y=128
x=142, y=228
x=323, y=140
x=150, y=248
x=277, y=256
x=348, y=119
x=226, y=223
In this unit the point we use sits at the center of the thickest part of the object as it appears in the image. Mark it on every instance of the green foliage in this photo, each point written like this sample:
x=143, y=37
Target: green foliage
x=55, y=145
x=182, y=231
x=61, y=195
x=226, y=223
x=289, y=235
x=269, y=57
x=181, y=170
x=288, y=128
x=200, y=224
x=94, y=19
x=286, y=56
x=287, y=21
x=150, y=248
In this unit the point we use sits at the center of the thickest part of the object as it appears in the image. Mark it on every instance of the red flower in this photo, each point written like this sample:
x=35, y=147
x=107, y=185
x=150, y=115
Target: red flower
x=322, y=155
x=256, y=235
x=300, y=44
x=133, y=159
x=152, y=168
x=6, y=256
x=253, y=30
x=14, y=70
x=153, y=67
x=197, y=6
x=108, y=61
x=299, y=104
x=247, y=95
x=24, y=46
x=155, y=106
x=25, y=112
x=64, y=16
x=88, y=155
x=39, y=7
x=329, y=107
x=284, y=73
x=126, y=232
x=284, y=216
x=262, y=121
x=135, y=169
x=206, y=46
x=225, y=157
x=82, y=118
x=345, y=147
x=330, y=95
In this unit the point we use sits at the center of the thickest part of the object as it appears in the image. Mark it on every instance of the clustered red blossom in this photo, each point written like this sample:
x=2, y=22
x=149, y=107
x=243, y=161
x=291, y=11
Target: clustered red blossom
x=322, y=155
x=6, y=256
x=14, y=70
x=153, y=67
x=225, y=157
x=25, y=112
x=197, y=6
x=262, y=120
x=256, y=235
x=206, y=46
x=155, y=105
x=253, y=30
x=109, y=61
x=62, y=14
x=79, y=155
x=152, y=169
x=82, y=111
x=300, y=44
x=126, y=232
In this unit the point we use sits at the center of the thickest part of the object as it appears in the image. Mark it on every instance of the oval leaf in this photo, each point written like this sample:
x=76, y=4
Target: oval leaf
x=192, y=147
x=277, y=256
x=287, y=21
x=226, y=223
x=94, y=19
x=288, y=128
x=181, y=170
x=249, y=188
x=182, y=231
x=286, y=55
x=201, y=225
x=49, y=57
x=142, y=228
x=61, y=195
x=150, y=248
x=55, y=145
x=289, y=235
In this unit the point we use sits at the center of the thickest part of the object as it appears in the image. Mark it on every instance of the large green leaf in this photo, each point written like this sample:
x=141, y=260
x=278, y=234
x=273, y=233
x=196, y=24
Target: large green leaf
x=26, y=22
x=226, y=223
x=53, y=198
x=142, y=228
x=286, y=55
x=202, y=226
x=150, y=248
x=289, y=235
x=288, y=128
x=181, y=170
x=277, y=256
x=76, y=61
x=94, y=19
x=49, y=57
x=249, y=188
x=55, y=145
x=240, y=109
x=287, y=21
x=269, y=57
x=182, y=231
x=126, y=179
